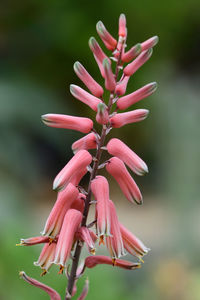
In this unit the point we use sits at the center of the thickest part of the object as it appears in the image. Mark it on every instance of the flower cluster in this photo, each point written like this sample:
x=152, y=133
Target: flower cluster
x=66, y=229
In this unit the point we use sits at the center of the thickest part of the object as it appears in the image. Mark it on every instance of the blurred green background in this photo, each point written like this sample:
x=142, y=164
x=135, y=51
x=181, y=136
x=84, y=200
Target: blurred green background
x=39, y=42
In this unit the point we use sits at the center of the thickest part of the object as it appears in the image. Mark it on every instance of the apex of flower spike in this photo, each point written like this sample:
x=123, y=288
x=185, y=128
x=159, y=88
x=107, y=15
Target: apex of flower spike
x=102, y=116
x=106, y=37
x=122, y=26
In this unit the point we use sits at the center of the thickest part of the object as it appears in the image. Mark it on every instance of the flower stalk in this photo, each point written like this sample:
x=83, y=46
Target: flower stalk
x=66, y=229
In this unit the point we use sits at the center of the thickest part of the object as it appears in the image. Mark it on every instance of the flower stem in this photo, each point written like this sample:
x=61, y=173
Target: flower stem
x=96, y=163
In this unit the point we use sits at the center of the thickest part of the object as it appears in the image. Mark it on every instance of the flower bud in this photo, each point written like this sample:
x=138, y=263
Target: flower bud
x=87, y=79
x=106, y=37
x=133, y=116
x=131, y=68
x=102, y=116
x=109, y=77
x=128, y=100
x=84, y=125
x=84, y=97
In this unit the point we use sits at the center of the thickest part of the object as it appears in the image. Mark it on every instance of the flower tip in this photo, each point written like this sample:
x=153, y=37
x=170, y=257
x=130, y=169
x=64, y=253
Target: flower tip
x=155, y=40
x=92, y=42
x=77, y=66
x=100, y=27
x=22, y=273
x=136, y=266
x=153, y=87
x=56, y=186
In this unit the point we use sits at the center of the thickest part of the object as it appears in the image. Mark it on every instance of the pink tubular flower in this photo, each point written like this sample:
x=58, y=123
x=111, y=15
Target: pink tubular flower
x=128, y=100
x=84, y=235
x=93, y=261
x=100, y=190
x=79, y=203
x=85, y=143
x=117, y=169
x=121, y=86
x=132, y=53
x=119, y=149
x=114, y=242
x=70, y=225
x=46, y=257
x=106, y=37
x=132, y=244
x=84, y=125
x=84, y=97
x=102, y=116
x=78, y=162
x=36, y=240
x=122, y=26
x=88, y=80
x=98, y=53
x=138, y=62
x=150, y=43
x=64, y=201
x=133, y=116
x=109, y=77
x=51, y=292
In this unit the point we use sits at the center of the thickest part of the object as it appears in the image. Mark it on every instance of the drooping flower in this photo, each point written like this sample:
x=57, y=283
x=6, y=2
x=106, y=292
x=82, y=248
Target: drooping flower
x=78, y=163
x=98, y=53
x=106, y=37
x=93, y=261
x=84, y=234
x=102, y=116
x=79, y=203
x=128, y=100
x=119, y=149
x=121, y=119
x=81, y=124
x=70, y=225
x=114, y=242
x=78, y=175
x=63, y=203
x=46, y=257
x=51, y=292
x=131, y=68
x=88, y=80
x=128, y=186
x=100, y=190
x=132, y=244
x=85, y=97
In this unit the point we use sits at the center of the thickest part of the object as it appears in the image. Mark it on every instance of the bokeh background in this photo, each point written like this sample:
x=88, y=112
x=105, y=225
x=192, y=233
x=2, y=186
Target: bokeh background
x=39, y=42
